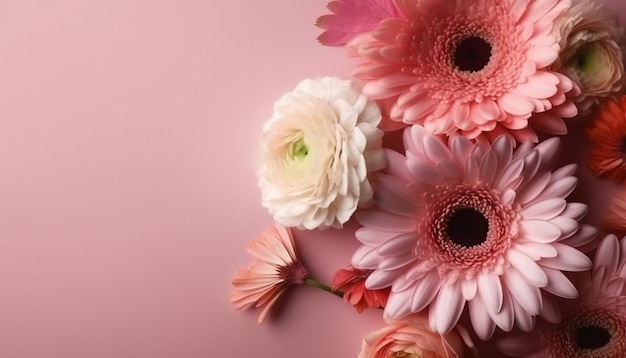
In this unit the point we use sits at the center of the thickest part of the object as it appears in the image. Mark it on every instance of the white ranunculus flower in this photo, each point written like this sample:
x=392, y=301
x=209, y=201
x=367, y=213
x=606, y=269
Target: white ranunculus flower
x=591, y=54
x=317, y=151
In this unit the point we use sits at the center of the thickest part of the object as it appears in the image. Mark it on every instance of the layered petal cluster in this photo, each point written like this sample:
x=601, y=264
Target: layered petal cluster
x=460, y=222
x=317, y=152
x=352, y=282
x=594, y=325
x=607, y=135
x=467, y=67
x=276, y=266
x=592, y=44
x=411, y=337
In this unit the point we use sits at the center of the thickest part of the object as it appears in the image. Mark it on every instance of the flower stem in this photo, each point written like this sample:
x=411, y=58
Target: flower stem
x=311, y=282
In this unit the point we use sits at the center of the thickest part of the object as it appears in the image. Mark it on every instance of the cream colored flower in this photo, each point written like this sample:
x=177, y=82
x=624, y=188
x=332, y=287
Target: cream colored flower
x=592, y=44
x=317, y=151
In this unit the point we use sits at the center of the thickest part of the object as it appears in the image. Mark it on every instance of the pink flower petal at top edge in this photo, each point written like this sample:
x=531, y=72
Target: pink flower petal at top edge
x=491, y=232
x=352, y=18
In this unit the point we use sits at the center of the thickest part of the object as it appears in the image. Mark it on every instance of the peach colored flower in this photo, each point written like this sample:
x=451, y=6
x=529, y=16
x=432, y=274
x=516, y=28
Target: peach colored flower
x=352, y=282
x=411, y=337
x=468, y=67
x=318, y=150
x=591, y=54
x=276, y=266
x=607, y=135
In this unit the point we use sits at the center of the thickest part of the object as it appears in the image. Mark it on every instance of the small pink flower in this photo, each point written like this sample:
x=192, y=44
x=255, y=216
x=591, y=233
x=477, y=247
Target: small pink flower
x=468, y=67
x=352, y=282
x=411, y=337
x=594, y=325
x=276, y=266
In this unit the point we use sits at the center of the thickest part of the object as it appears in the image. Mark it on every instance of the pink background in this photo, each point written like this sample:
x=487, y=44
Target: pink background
x=128, y=130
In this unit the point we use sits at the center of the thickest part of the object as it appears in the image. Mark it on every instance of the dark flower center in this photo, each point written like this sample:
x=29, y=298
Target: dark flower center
x=592, y=337
x=589, y=333
x=472, y=54
x=467, y=227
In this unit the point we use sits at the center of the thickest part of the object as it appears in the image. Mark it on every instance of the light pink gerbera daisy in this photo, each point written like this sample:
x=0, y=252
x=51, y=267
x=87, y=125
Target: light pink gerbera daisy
x=467, y=67
x=459, y=222
x=594, y=325
x=276, y=266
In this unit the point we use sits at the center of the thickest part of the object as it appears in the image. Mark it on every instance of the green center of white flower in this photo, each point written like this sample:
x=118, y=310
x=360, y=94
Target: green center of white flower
x=586, y=59
x=299, y=150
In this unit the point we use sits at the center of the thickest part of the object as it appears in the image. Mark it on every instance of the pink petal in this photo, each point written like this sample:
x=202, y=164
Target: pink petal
x=584, y=236
x=545, y=210
x=482, y=324
x=353, y=17
x=398, y=304
x=447, y=309
x=469, y=289
x=539, y=231
x=527, y=267
x=399, y=245
x=425, y=290
x=559, y=284
x=567, y=259
x=384, y=221
x=550, y=311
x=488, y=167
x=527, y=295
x=380, y=279
x=607, y=254
x=516, y=104
x=535, y=250
x=365, y=257
x=395, y=197
x=490, y=290
x=506, y=317
x=372, y=237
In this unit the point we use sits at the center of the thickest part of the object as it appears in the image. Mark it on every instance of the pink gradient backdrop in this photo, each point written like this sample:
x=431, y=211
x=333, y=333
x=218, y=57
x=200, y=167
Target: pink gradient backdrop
x=128, y=130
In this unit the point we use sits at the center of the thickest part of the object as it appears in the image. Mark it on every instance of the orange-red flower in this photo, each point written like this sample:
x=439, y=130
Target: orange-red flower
x=352, y=282
x=607, y=134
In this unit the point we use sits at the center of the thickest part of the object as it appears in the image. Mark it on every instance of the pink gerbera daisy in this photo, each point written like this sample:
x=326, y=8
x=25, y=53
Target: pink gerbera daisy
x=594, y=325
x=276, y=266
x=460, y=222
x=467, y=66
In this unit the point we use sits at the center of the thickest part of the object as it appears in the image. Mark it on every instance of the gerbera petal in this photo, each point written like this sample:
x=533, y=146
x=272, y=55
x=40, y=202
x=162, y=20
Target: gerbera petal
x=490, y=290
x=516, y=104
x=483, y=326
x=528, y=268
x=545, y=210
x=539, y=230
x=559, y=284
x=447, y=308
x=527, y=295
x=567, y=259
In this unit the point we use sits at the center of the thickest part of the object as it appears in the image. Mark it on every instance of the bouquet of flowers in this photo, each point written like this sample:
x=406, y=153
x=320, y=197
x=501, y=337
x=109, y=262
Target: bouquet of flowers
x=469, y=214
